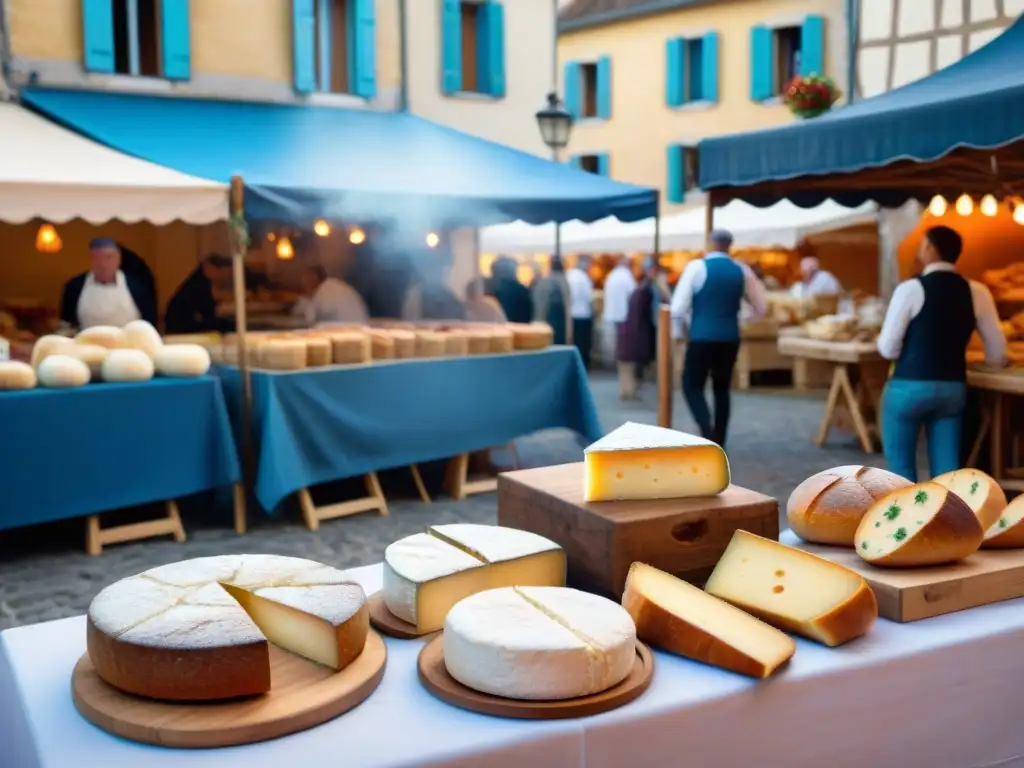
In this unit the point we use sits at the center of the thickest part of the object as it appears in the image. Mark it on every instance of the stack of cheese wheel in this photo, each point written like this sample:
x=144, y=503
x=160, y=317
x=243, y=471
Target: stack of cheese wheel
x=349, y=347
x=382, y=344
x=405, y=342
x=430, y=344
x=141, y=335
x=456, y=343
x=479, y=342
x=16, y=375
x=282, y=354
x=502, y=340
x=182, y=361
x=104, y=336
x=62, y=372
x=127, y=366
x=532, y=336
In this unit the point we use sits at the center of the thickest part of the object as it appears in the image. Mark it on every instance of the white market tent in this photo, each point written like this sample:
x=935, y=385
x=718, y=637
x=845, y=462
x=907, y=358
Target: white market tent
x=48, y=172
x=782, y=225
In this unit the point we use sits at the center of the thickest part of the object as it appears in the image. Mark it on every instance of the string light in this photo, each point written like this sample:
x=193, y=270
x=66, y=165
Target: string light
x=964, y=205
x=1018, y=214
x=285, y=251
x=322, y=228
x=356, y=236
x=989, y=206
x=432, y=240
x=47, y=240
x=937, y=207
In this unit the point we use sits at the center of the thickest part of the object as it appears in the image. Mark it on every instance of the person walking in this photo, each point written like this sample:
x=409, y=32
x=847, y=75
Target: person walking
x=581, y=306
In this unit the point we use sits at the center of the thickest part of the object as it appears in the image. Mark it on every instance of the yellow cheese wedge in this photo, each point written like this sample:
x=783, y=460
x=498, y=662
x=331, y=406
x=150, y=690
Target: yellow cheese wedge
x=638, y=461
x=1008, y=531
x=981, y=492
x=793, y=590
x=680, y=618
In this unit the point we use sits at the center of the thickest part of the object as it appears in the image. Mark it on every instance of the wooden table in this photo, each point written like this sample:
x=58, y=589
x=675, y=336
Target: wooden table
x=861, y=401
x=999, y=387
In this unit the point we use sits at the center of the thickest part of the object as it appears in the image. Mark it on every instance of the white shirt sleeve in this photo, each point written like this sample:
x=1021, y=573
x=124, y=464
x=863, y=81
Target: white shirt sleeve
x=754, y=293
x=682, y=297
x=986, y=318
x=907, y=302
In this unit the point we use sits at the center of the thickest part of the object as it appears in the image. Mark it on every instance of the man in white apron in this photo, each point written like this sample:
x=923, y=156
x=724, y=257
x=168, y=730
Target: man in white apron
x=105, y=295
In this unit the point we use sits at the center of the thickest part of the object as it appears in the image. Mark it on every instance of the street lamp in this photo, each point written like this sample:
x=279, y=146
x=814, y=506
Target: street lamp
x=555, y=123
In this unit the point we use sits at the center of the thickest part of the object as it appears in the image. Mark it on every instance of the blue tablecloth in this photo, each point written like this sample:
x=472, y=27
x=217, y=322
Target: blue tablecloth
x=327, y=424
x=67, y=453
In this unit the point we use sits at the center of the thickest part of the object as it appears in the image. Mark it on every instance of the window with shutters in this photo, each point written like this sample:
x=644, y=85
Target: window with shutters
x=137, y=38
x=332, y=46
x=588, y=90
x=473, y=47
x=694, y=75
x=786, y=45
x=690, y=169
x=470, y=46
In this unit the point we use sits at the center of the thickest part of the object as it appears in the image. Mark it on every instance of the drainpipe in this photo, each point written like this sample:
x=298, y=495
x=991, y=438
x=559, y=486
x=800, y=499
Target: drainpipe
x=852, y=25
x=403, y=43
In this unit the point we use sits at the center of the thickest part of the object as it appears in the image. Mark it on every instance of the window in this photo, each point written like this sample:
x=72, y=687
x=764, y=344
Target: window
x=596, y=163
x=470, y=43
x=473, y=47
x=691, y=74
x=141, y=38
x=588, y=85
x=683, y=172
x=331, y=46
x=136, y=38
x=694, y=85
x=334, y=45
x=786, y=49
x=777, y=55
x=588, y=88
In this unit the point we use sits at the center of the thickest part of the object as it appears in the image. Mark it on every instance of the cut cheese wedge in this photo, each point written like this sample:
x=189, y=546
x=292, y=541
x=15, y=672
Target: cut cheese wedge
x=539, y=643
x=923, y=524
x=1008, y=531
x=680, y=618
x=981, y=492
x=639, y=461
x=793, y=590
x=427, y=573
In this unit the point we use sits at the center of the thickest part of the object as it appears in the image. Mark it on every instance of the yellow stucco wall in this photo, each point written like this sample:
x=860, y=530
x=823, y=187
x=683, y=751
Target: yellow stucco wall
x=45, y=29
x=642, y=126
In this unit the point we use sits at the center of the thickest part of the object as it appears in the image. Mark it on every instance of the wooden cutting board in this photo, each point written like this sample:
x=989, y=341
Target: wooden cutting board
x=909, y=594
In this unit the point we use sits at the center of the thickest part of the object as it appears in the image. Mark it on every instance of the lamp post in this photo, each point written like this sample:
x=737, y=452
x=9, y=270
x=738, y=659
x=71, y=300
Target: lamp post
x=555, y=123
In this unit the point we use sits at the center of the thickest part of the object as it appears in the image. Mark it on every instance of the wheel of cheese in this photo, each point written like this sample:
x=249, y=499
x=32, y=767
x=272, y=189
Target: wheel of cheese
x=532, y=336
x=17, y=375
x=127, y=365
x=283, y=354
x=208, y=340
x=981, y=492
x=479, y=342
x=405, y=342
x=350, y=347
x=62, y=372
x=502, y=340
x=142, y=335
x=430, y=344
x=104, y=336
x=456, y=343
x=182, y=361
x=318, y=351
x=92, y=355
x=1008, y=531
x=923, y=524
x=382, y=345
x=50, y=345
x=539, y=643
x=826, y=508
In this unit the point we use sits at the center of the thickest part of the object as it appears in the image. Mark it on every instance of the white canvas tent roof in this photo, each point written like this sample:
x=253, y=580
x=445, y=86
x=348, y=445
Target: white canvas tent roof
x=782, y=225
x=48, y=172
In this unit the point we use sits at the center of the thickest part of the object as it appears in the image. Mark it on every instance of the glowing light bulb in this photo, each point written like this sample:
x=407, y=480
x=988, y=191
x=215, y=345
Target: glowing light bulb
x=964, y=205
x=285, y=251
x=989, y=206
x=322, y=228
x=357, y=236
x=47, y=240
x=1018, y=214
x=432, y=240
x=937, y=207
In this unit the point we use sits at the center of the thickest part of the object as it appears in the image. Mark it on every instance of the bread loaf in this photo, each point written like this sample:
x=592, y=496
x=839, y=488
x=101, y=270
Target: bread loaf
x=1008, y=531
x=532, y=336
x=430, y=344
x=283, y=354
x=49, y=345
x=349, y=347
x=15, y=375
x=141, y=335
x=127, y=366
x=981, y=492
x=502, y=340
x=92, y=355
x=182, y=361
x=104, y=336
x=827, y=507
x=923, y=524
x=382, y=345
x=62, y=372
x=405, y=343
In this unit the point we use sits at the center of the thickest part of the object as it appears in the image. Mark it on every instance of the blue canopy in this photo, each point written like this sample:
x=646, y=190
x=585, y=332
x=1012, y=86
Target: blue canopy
x=304, y=163
x=976, y=103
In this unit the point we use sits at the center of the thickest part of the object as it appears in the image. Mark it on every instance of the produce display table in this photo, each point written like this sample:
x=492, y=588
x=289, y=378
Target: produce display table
x=863, y=403
x=1000, y=387
x=75, y=452
x=325, y=424
x=947, y=687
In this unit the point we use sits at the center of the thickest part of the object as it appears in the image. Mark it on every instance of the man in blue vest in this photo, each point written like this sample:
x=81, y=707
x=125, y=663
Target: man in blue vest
x=707, y=299
x=926, y=331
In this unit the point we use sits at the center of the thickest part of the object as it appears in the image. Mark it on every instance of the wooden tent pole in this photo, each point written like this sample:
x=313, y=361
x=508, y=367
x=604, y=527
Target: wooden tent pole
x=239, y=249
x=664, y=348
x=709, y=216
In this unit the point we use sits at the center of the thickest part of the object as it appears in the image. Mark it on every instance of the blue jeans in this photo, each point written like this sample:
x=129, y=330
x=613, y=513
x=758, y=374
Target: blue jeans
x=938, y=407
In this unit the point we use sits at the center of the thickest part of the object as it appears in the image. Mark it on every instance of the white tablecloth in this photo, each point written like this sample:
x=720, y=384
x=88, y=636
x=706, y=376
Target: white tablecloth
x=935, y=693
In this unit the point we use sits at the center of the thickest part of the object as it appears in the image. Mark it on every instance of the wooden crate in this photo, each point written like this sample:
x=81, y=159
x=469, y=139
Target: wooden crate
x=601, y=540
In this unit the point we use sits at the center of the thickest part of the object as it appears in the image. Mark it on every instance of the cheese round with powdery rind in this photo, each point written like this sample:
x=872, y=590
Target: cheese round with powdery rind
x=104, y=335
x=50, y=345
x=142, y=335
x=126, y=366
x=182, y=360
x=176, y=633
x=63, y=372
x=539, y=643
x=16, y=375
x=92, y=355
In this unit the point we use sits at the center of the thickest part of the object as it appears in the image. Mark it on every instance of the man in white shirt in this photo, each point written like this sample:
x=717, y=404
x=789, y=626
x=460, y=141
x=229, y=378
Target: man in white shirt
x=927, y=328
x=581, y=307
x=707, y=299
x=618, y=287
x=330, y=300
x=106, y=294
x=816, y=281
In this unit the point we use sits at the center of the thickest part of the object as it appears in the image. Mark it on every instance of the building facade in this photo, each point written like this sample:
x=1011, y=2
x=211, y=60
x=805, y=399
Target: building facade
x=647, y=80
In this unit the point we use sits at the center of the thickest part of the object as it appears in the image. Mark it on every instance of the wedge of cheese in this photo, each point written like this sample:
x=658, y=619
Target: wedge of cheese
x=680, y=618
x=639, y=461
x=981, y=492
x=793, y=590
x=923, y=524
x=1007, y=532
x=427, y=573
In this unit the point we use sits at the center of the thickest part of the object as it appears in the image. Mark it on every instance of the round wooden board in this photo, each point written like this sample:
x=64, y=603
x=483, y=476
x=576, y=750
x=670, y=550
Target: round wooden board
x=385, y=621
x=302, y=695
x=434, y=676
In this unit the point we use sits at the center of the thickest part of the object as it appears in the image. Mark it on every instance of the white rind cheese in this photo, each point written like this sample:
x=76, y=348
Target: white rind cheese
x=103, y=335
x=414, y=568
x=540, y=643
x=141, y=335
x=182, y=360
x=62, y=372
x=15, y=375
x=127, y=365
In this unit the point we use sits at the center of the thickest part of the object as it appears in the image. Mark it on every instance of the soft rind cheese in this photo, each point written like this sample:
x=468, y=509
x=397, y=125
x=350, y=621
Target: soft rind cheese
x=539, y=643
x=427, y=573
x=923, y=524
x=126, y=366
x=15, y=375
x=793, y=590
x=140, y=334
x=103, y=335
x=1008, y=531
x=49, y=345
x=681, y=618
x=181, y=360
x=640, y=461
x=175, y=632
x=981, y=492
x=92, y=355
x=62, y=372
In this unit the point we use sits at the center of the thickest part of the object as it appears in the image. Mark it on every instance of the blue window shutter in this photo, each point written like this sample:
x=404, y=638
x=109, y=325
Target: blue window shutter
x=812, y=46
x=674, y=72
x=176, y=39
x=571, y=88
x=709, y=67
x=451, y=46
x=491, y=49
x=98, y=34
x=760, y=63
x=363, y=23
x=304, y=46
x=675, y=188
x=603, y=164
x=604, y=87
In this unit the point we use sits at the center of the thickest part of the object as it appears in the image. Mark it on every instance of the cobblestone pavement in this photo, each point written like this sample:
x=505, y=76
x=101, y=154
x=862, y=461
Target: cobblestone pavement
x=45, y=574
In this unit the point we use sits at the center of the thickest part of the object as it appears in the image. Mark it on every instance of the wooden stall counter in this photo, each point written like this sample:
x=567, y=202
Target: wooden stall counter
x=1000, y=388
